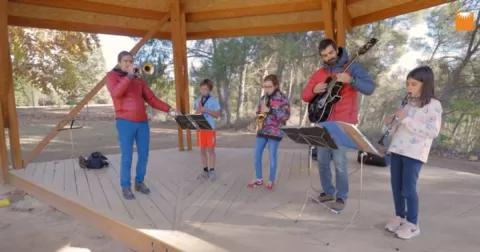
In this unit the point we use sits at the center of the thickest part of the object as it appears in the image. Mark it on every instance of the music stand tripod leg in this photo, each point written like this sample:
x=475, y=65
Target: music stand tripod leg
x=357, y=212
x=310, y=188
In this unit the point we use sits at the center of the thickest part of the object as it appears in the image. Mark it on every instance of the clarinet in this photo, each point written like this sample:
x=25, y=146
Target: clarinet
x=394, y=120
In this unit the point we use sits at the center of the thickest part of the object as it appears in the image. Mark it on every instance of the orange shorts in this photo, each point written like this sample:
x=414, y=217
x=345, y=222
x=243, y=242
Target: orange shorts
x=206, y=138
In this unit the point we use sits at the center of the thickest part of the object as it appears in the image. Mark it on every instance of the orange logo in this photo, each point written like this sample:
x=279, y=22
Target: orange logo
x=464, y=21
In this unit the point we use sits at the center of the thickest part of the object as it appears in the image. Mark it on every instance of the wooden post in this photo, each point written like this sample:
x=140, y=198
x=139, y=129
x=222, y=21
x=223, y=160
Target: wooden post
x=66, y=119
x=13, y=131
x=327, y=14
x=183, y=19
x=179, y=45
x=3, y=152
x=340, y=20
x=7, y=97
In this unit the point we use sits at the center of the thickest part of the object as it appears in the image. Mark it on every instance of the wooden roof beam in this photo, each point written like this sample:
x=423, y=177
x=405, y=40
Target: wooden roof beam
x=256, y=31
x=81, y=27
x=270, y=9
x=82, y=5
x=402, y=9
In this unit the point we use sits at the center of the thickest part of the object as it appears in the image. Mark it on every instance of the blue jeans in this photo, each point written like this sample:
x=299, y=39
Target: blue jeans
x=404, y=173
x=272, y=151
x=129, y=131
x=341, y=171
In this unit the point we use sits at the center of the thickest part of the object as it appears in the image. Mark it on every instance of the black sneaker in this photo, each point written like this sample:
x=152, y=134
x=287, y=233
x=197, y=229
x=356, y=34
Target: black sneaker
x=141, y=187
x=323, y=197
x=128, y=194
x=339, y=205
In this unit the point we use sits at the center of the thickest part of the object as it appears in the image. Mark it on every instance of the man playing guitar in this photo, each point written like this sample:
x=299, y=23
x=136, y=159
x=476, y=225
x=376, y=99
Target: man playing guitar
x=354, y=79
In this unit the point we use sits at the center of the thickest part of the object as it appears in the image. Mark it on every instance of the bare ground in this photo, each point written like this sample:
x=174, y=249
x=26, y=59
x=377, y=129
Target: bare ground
x=49, y=229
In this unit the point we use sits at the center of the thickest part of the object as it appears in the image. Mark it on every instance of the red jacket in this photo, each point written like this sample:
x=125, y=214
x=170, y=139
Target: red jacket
x=346, y=110
x=129, y=97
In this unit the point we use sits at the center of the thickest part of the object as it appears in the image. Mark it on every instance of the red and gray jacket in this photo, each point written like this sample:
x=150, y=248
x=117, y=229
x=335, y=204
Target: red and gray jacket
x=346, y=110
x=129, y=95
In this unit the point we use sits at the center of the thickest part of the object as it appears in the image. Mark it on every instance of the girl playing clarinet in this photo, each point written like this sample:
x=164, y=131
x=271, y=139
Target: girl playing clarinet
x=417, y=125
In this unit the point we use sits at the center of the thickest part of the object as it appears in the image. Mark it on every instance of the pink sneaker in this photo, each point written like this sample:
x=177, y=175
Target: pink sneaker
x=256, y=183
x=407, y=231
x=394, y=224
x=270, y=185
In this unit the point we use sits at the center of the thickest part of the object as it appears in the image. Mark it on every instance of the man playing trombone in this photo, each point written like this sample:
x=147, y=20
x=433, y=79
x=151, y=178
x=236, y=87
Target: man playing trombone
x=129, y=92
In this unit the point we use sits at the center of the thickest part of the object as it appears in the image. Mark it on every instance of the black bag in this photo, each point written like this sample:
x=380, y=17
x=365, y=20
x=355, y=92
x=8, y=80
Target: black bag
x=96, y=160
x=371, y=159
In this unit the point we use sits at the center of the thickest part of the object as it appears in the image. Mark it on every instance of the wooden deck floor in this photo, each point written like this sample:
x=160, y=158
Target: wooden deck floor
x=226, y=214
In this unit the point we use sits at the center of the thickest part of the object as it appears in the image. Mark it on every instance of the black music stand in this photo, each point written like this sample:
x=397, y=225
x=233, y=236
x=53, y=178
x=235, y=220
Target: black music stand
x=193, y=122
x=313, y=136
x=331, y=135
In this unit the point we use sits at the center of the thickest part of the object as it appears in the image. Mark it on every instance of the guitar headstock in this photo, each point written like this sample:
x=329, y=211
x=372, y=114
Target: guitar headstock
x=367, y=46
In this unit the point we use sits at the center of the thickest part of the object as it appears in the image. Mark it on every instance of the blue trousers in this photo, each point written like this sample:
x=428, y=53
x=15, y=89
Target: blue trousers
x=404, y=173
x=341, y=171
x=129, y=131
x=260, y=144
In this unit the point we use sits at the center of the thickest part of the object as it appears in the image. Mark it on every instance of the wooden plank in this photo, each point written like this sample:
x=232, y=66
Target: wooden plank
x=83, y=185
x=133, y=206
x=152, y=211
x=256, y=31
x=96, y=7
x=111, y=194
x=258, y=10
x=200, y=197
x=179, y=45
x=48, y=174
x=70, y=180
x=59, y=175
x=29, y=170
x=89, y=96
x=129, y=236
x=221, y=189
x=81, y=27
x=327, y=14
x=38, y=174
x=96, y=189
x=397, y=11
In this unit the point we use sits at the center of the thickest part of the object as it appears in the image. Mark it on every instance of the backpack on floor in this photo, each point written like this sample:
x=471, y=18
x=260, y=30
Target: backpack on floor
x=96, y=160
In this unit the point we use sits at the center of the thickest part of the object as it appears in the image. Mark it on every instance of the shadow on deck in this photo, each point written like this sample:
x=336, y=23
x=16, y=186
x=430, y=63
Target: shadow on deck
x=186, y=213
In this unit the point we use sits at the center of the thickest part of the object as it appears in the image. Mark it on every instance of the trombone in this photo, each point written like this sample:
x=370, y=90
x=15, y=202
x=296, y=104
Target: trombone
x=147, y=68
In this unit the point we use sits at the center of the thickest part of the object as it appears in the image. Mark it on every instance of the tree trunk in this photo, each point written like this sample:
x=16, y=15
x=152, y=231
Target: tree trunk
x=241, y=92
x=455, y=128
x=290, y=83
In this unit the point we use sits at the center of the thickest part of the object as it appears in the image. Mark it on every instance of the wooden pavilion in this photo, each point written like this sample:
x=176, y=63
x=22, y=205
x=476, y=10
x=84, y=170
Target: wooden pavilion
x=176, y=20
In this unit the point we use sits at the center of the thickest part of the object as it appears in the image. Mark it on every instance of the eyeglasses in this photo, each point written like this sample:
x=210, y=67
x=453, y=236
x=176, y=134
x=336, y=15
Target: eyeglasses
x=267, y=86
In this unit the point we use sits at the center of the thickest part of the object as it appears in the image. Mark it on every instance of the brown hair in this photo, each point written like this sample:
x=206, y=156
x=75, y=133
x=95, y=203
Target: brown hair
x=123, y=54
x=425, y=75
x=208, y=83
x=274, y=79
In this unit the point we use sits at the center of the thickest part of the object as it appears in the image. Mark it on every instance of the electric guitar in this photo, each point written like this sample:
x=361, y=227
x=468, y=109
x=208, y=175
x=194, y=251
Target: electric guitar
x=321, y=106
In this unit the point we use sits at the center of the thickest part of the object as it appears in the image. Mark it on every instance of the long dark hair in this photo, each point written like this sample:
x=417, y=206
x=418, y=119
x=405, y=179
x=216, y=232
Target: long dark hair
x=425, y=75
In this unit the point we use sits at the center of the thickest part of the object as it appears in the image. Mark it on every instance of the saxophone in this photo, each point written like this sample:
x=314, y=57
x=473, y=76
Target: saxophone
x=261, y=116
